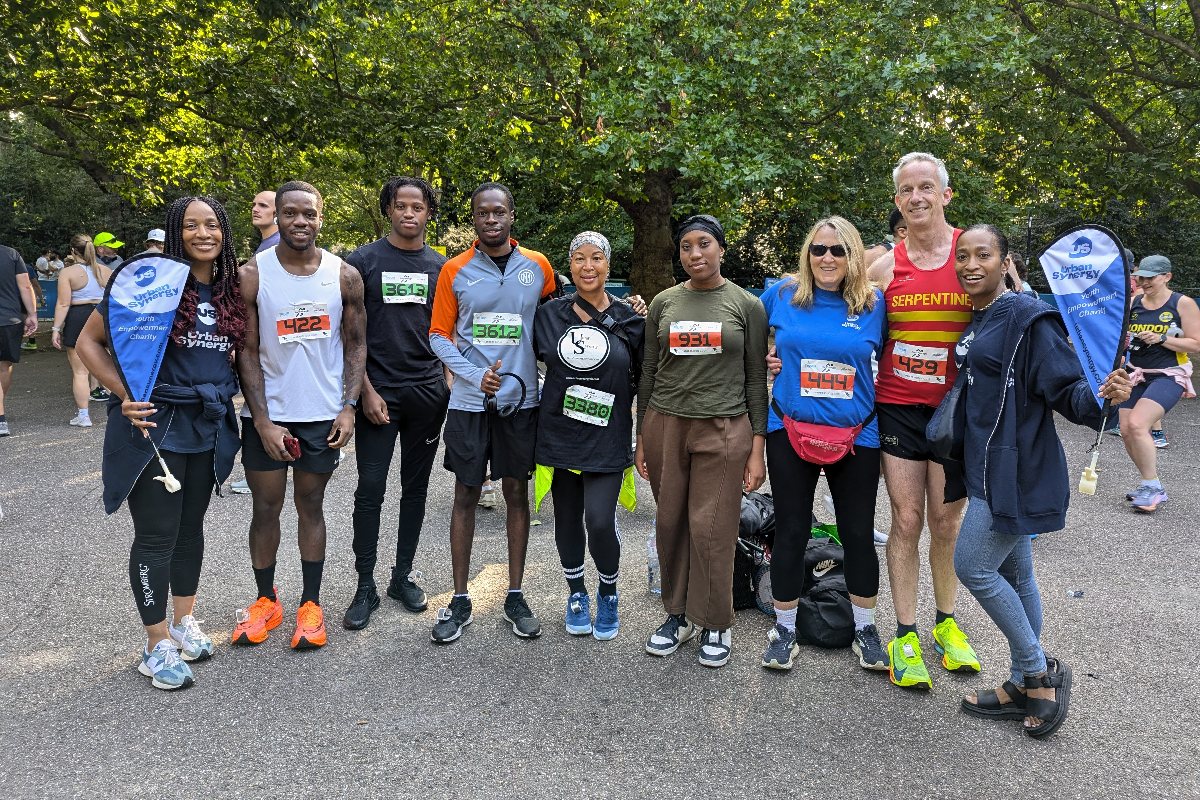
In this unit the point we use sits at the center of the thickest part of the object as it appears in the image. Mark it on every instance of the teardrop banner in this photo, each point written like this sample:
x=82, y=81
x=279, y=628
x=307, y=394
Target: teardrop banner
x=141, y=300
x=1089, y=276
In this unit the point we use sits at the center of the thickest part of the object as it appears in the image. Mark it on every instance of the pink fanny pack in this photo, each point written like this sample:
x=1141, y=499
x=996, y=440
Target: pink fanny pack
x=820, y=444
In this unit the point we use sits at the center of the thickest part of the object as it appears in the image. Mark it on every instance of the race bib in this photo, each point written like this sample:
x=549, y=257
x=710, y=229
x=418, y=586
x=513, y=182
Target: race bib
x=303, y=321
x=920, y=364
x=588, y=405
x=405, y=287
x=496, y=329
x=831, y=379
x=695, y=338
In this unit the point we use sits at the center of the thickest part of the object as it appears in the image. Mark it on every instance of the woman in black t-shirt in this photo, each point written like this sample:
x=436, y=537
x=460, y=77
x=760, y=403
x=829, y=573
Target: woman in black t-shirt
x=191, y=418
x=591, y=344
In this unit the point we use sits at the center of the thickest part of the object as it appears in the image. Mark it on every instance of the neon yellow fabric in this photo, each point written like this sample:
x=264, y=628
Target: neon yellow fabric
x=543, y=476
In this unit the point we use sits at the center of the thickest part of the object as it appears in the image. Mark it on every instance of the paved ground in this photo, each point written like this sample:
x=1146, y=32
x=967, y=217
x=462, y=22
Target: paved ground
x=385, y=712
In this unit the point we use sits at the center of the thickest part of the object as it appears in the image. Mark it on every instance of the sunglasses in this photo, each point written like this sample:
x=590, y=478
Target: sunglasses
x=819, y=250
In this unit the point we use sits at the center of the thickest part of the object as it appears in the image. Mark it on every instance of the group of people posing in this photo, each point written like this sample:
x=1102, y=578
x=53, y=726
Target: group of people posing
x=397, y=344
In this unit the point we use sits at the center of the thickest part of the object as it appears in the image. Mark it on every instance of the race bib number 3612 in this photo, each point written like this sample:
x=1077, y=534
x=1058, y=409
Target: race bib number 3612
x=405, y=287
x=920, y=364
x=496, y=329
x=695, y=338
x=303, y=321
x=831, y=379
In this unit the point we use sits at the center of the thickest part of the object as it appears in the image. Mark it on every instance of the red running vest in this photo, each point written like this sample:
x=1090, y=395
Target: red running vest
x=927, y=312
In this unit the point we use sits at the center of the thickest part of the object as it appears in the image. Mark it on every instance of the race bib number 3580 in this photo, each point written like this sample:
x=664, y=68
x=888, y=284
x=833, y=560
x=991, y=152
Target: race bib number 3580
x=920, y=364
x=588, y=405
x=304, y=321
x=496, y=329
x=695, y=338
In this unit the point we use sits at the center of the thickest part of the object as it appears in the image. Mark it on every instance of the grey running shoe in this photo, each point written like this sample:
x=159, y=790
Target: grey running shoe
x=452, y=620
x=240, y=487
x=781, y=648
x=869, y=649
x=517, y=611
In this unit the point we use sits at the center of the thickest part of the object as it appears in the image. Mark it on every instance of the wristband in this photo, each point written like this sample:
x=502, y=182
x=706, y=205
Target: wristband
x=56, y=330
x=351, y=403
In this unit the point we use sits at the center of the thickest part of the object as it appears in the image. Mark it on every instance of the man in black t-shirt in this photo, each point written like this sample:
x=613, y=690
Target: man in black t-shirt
x=404, y=392
x=18, y=317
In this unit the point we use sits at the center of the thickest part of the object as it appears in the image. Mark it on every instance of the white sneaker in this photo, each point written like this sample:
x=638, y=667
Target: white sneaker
x=193, y=643
x=715, y=647
x=881, y=538
x=81, y=420
x=487, y=498
x=240, y=487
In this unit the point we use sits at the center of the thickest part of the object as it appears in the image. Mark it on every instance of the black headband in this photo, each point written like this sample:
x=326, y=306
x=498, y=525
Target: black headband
x=700, y=222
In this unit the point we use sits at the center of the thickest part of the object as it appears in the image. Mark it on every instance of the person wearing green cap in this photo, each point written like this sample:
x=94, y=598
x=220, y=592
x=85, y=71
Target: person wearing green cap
x=106, y=249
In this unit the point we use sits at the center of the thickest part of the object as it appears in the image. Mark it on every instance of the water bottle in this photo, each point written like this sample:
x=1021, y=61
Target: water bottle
x=653, y=573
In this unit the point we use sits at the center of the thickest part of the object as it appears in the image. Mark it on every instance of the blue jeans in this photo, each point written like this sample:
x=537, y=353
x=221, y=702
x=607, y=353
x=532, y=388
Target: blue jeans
x=997, y=568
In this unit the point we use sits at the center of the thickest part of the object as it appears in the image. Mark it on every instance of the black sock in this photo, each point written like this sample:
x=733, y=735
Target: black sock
x=312, y=580
x=608, y=589
x=265, y=578
x=904, y=630
x=576, y=585
x=943, y=617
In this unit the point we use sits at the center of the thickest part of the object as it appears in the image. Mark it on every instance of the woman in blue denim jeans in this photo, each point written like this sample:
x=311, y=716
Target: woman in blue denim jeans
x=1016, y=368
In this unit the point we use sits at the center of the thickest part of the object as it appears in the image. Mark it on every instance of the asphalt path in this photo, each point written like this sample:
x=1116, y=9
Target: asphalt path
x=384, y=712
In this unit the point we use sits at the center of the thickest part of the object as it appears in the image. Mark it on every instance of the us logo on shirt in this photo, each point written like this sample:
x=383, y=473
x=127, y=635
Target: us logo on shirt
x=583, y=348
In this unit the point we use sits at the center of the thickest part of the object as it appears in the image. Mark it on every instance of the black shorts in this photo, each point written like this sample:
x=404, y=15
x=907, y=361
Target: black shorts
x=315, y=453
x=77, y=317
x=476, y=438
x=1159, y=388
x=10, y=342
x=902, y=434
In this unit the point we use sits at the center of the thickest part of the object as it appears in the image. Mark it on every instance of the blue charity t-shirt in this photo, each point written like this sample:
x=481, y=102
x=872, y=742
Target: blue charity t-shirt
x=826, y=352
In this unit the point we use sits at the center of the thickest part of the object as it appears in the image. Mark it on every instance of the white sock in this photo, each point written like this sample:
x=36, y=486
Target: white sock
x=83, y=413
x=863, y=617
x=787, y=619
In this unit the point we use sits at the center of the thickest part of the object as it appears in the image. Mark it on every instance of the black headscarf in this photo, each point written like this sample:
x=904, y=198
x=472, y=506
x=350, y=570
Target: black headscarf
x=700, y=222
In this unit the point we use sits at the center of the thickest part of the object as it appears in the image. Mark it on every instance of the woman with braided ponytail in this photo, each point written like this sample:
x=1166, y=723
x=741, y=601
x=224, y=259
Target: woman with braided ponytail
x=191, y=418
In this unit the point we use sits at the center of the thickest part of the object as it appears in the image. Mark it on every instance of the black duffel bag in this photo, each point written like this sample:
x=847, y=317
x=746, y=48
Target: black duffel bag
x=824, y=616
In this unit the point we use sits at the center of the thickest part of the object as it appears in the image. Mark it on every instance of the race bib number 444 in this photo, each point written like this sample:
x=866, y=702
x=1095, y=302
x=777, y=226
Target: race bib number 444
x=304, y=321
x=695, y=338
x=831, y=379
x=588, y=405
x=920, y=364
x=496, y=329
x=405, y=287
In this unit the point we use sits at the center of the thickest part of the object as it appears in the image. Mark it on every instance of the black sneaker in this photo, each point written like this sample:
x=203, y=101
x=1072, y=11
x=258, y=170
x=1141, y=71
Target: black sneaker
x=99, y=394
x=870, y=650
x=781, y=648
x=452, y=620
x=672, y=633
x=524, y=623
x=366, y=600
x=404, y=589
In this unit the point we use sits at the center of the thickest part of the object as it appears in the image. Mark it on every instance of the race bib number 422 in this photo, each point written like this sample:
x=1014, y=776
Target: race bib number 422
x=831, y=379
x=920, y=364
x=695, y=338
x=405, y=287
x=588, y=405
x=496, y=329
x=303, y=321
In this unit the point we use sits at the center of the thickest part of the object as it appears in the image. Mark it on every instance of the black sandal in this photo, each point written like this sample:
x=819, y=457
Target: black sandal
x=988, y=704
x=1051, y=712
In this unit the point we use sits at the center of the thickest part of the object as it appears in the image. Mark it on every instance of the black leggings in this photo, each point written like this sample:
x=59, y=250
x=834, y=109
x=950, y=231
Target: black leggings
x=168, y=532
x=590, y=499
x=854, y=484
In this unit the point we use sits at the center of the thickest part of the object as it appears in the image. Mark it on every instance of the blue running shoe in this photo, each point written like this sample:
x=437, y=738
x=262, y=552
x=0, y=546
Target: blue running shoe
x=165, y=668
x=192, y=642
x=579, y=614
x=607, y=623
x=1148, y=499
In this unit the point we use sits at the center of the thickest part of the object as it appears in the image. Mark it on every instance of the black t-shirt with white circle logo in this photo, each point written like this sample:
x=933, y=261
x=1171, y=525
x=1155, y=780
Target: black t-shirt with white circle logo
x=585, y=419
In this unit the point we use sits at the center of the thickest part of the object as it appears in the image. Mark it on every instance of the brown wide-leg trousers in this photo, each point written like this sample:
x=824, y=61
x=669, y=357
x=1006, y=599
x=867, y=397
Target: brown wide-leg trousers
x=696, y=468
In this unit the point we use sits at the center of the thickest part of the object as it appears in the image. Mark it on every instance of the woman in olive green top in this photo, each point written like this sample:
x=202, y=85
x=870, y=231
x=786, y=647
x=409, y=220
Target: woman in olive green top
x=702, y=423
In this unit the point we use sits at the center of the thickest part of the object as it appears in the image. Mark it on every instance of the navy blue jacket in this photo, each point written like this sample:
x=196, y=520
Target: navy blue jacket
x=1024, y=468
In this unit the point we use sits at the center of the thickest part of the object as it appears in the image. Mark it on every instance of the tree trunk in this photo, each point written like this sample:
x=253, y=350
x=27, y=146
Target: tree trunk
x=652, y=269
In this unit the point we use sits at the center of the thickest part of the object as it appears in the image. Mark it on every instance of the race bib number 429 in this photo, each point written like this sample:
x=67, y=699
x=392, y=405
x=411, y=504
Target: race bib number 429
x=695, y=338
x=496, y=329
x=405, y=287
x=831, y=379
x=304, y=321
x=920, y=364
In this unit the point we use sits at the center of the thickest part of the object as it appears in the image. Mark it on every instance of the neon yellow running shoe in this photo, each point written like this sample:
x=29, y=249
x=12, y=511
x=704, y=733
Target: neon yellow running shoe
x=907, y=669
x=957, y=654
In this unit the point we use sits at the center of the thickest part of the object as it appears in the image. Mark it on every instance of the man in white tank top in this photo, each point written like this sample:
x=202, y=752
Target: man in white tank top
x=301, y=372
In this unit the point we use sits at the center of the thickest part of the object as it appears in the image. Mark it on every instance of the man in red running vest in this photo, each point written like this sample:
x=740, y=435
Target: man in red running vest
x=927, y=313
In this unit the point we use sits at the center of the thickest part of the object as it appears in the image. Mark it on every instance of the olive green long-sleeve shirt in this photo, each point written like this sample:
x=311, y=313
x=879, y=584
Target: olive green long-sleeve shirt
x=706, y=355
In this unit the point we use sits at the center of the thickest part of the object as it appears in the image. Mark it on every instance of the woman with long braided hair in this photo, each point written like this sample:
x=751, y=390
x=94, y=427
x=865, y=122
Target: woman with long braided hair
x=190, y=416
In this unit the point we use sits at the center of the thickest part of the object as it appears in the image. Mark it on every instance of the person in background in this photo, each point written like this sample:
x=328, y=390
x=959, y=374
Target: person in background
x=898, y=228
x=80, y=289
x=155, y=241
x=30, y=343
x=106, y=250
x=18, y=318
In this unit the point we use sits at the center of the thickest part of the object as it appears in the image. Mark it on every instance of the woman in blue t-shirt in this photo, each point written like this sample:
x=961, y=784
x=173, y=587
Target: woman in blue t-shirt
x=829, y=322
x=191, y=418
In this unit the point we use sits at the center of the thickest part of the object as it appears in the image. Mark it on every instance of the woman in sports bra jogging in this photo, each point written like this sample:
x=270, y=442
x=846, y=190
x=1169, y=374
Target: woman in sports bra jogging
x=80, y=287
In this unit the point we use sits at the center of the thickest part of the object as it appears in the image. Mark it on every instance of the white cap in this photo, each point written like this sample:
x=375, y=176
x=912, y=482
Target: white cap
x=157, y=235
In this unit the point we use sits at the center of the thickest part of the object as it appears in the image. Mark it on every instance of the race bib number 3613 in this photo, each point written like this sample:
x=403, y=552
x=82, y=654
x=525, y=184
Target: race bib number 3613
x=920, y=364
x=496, y=329
x=405, y=287
x=304, y=321
x=831, y=379
x=695, y=338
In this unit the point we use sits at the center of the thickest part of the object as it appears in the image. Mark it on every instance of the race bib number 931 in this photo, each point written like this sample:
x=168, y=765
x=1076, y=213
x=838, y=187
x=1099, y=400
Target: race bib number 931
x=695, y=338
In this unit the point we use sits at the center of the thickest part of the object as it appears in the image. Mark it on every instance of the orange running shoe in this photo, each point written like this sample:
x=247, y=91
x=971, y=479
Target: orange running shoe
x=310, y=627
x=254, y=622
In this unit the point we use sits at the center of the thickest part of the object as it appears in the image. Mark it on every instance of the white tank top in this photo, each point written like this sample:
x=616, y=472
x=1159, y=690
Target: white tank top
x=92, y=291
x=300, y=339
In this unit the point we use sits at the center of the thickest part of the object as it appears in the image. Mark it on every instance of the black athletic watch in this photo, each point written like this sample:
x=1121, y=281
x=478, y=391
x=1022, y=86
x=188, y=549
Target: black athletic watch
x=1162, y=338
x=351, y=403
